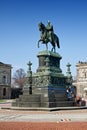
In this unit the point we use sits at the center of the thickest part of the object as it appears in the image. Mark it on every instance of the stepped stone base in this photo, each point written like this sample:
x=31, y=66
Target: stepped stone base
x=48, y=84
x=42, y=100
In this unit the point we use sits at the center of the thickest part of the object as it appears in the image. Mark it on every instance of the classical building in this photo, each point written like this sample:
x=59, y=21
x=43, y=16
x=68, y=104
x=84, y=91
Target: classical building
x=5, y=81
x=81, y=79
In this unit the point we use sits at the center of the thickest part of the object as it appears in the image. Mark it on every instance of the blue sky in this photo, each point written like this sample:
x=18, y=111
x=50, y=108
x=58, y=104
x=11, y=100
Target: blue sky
x=19, y=32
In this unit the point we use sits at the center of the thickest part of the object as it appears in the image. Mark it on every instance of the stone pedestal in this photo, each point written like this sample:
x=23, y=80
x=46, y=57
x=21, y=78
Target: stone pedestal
x=48, y=84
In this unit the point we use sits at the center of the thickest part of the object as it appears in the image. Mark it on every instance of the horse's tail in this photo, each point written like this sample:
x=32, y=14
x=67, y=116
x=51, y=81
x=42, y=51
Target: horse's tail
x=58, y=45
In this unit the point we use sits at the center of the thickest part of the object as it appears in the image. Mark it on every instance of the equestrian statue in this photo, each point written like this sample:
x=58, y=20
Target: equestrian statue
x=48, y=35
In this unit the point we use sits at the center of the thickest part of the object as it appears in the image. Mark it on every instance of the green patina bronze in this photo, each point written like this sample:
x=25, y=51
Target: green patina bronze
x=48, y=35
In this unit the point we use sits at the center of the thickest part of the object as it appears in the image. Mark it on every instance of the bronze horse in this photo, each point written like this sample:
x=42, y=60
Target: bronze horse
x=45, y=38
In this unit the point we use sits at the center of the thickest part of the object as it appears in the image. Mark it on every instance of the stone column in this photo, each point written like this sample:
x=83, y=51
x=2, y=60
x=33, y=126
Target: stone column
x=68, y=74
x=29, y=75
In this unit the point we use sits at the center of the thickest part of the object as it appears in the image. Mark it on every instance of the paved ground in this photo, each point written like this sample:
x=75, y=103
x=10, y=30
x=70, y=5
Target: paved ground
x=44, y=116
x=42, y=120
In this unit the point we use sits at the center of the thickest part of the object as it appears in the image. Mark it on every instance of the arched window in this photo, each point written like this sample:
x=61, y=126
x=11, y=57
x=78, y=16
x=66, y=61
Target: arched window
x=4, y=91
x=4, y=80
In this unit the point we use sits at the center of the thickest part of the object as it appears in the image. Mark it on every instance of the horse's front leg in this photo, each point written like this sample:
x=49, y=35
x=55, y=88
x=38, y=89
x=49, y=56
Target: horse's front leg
x=39, y=42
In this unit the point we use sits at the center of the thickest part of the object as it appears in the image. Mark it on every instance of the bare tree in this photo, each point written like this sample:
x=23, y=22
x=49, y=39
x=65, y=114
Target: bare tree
x=19, y=78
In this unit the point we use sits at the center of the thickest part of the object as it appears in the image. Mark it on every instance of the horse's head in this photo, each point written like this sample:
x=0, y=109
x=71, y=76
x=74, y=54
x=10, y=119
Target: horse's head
x=41, y=26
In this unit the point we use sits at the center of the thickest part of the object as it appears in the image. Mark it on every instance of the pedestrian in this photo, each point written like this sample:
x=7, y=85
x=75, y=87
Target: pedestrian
x=69, y=94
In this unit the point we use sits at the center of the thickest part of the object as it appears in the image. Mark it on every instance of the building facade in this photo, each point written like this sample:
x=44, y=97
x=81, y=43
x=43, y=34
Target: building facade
x=5, y=81
x=81, y=79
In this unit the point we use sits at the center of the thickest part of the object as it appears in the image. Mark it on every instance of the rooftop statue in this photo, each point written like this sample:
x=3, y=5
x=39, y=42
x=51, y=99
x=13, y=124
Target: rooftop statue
x=48, y=35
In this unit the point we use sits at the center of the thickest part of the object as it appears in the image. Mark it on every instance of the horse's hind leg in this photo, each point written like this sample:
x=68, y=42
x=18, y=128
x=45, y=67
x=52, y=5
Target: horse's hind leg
x=52, y=49
x=46, y=46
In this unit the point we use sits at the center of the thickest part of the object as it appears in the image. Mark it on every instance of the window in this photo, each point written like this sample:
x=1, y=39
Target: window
x=4, y=79
x=4, y=91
